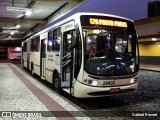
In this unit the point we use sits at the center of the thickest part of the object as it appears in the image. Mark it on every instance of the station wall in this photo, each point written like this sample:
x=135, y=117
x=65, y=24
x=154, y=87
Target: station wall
x=14, y=52
x=149, y=52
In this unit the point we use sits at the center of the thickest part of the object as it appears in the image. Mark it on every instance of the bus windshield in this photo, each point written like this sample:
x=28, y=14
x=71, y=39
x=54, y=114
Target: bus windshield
x=110, y=51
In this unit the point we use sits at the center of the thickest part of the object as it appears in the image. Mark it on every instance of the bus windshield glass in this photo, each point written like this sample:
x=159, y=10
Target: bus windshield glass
x=110, y=50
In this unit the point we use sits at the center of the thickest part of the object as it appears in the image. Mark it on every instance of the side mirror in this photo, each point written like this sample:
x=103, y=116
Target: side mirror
x=75, y=38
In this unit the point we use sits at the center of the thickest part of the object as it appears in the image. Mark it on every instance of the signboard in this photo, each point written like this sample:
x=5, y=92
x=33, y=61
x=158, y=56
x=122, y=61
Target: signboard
x=18, y=9
x=68, y=26
x=9, y=31
x=104, y=21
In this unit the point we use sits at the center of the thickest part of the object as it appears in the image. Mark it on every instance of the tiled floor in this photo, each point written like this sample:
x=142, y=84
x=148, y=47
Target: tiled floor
x=21, y=92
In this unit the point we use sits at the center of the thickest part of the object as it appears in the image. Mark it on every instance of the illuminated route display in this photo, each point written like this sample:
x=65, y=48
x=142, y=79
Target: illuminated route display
x=88, y=20
x=95, y=21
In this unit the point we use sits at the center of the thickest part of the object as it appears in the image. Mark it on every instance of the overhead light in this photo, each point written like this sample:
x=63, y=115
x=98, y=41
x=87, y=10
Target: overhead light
x=9, y=28
x=12, y=33
x=19, y=9
x=154, y=39
x=116, y=47
x=29, y=12
x=9, y=31
x=18, y=26
x=18, y=49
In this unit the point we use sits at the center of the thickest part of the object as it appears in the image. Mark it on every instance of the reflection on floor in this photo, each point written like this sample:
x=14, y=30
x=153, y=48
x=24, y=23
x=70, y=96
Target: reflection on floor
x=150, y=67
x=9, y=61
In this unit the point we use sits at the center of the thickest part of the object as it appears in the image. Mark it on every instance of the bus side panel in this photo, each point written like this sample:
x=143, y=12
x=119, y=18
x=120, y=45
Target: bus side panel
x=24, y=57
x=35, y=59
x=25, y=53
x=52, y=63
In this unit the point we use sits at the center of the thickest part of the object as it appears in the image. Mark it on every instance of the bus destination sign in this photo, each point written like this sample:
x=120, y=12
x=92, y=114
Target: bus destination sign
x=106, y=22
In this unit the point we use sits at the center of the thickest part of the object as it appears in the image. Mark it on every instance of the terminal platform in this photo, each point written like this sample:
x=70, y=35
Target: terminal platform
x=150, y=67
x=21, y=93
x=23, y=97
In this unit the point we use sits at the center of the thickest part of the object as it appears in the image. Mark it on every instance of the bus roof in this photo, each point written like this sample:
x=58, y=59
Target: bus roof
x=100, y=14
x=74, y=16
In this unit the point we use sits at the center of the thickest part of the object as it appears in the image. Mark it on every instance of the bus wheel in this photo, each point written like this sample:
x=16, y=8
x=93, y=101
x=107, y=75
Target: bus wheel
x=57, y=83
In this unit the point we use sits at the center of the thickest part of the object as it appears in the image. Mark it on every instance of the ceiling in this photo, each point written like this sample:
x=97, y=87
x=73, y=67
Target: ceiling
x=12, y=12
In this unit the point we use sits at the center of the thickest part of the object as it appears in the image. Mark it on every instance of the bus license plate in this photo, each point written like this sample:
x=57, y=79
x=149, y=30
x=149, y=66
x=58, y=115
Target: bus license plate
x=114, y=90
x=109, y=83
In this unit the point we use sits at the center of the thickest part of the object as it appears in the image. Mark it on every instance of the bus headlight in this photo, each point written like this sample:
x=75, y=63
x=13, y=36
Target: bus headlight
x=132, y=80
x=91, y=82
x=94, y=83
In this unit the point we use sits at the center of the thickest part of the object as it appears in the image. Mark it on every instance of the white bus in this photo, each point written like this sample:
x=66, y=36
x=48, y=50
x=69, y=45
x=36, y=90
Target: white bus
x=86, y=55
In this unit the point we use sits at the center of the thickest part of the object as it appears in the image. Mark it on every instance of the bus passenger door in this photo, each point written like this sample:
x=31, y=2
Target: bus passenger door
x=68, y=58
x=43, y=59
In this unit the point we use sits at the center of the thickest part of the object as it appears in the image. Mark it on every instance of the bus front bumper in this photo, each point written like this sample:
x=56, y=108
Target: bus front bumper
x=85, y=91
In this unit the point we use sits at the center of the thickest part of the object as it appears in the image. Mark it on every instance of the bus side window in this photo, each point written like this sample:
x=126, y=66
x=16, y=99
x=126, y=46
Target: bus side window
x=33, y=44
x=56, y=40
x=37, y=43
x=49, y=42
x=67, y=41
x=24, y=48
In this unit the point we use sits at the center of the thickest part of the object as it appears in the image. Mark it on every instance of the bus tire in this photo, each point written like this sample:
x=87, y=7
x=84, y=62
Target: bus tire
x=57, y=83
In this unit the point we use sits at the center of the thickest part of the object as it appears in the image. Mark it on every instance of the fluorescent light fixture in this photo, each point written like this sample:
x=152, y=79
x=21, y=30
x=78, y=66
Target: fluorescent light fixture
x=18, y=26
x=29, y=12
x=18, y=49
x=17, y=9
x=154, y=39
x=12, y=33
x=9, y=31
x=116, y=47
x=9, y=28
